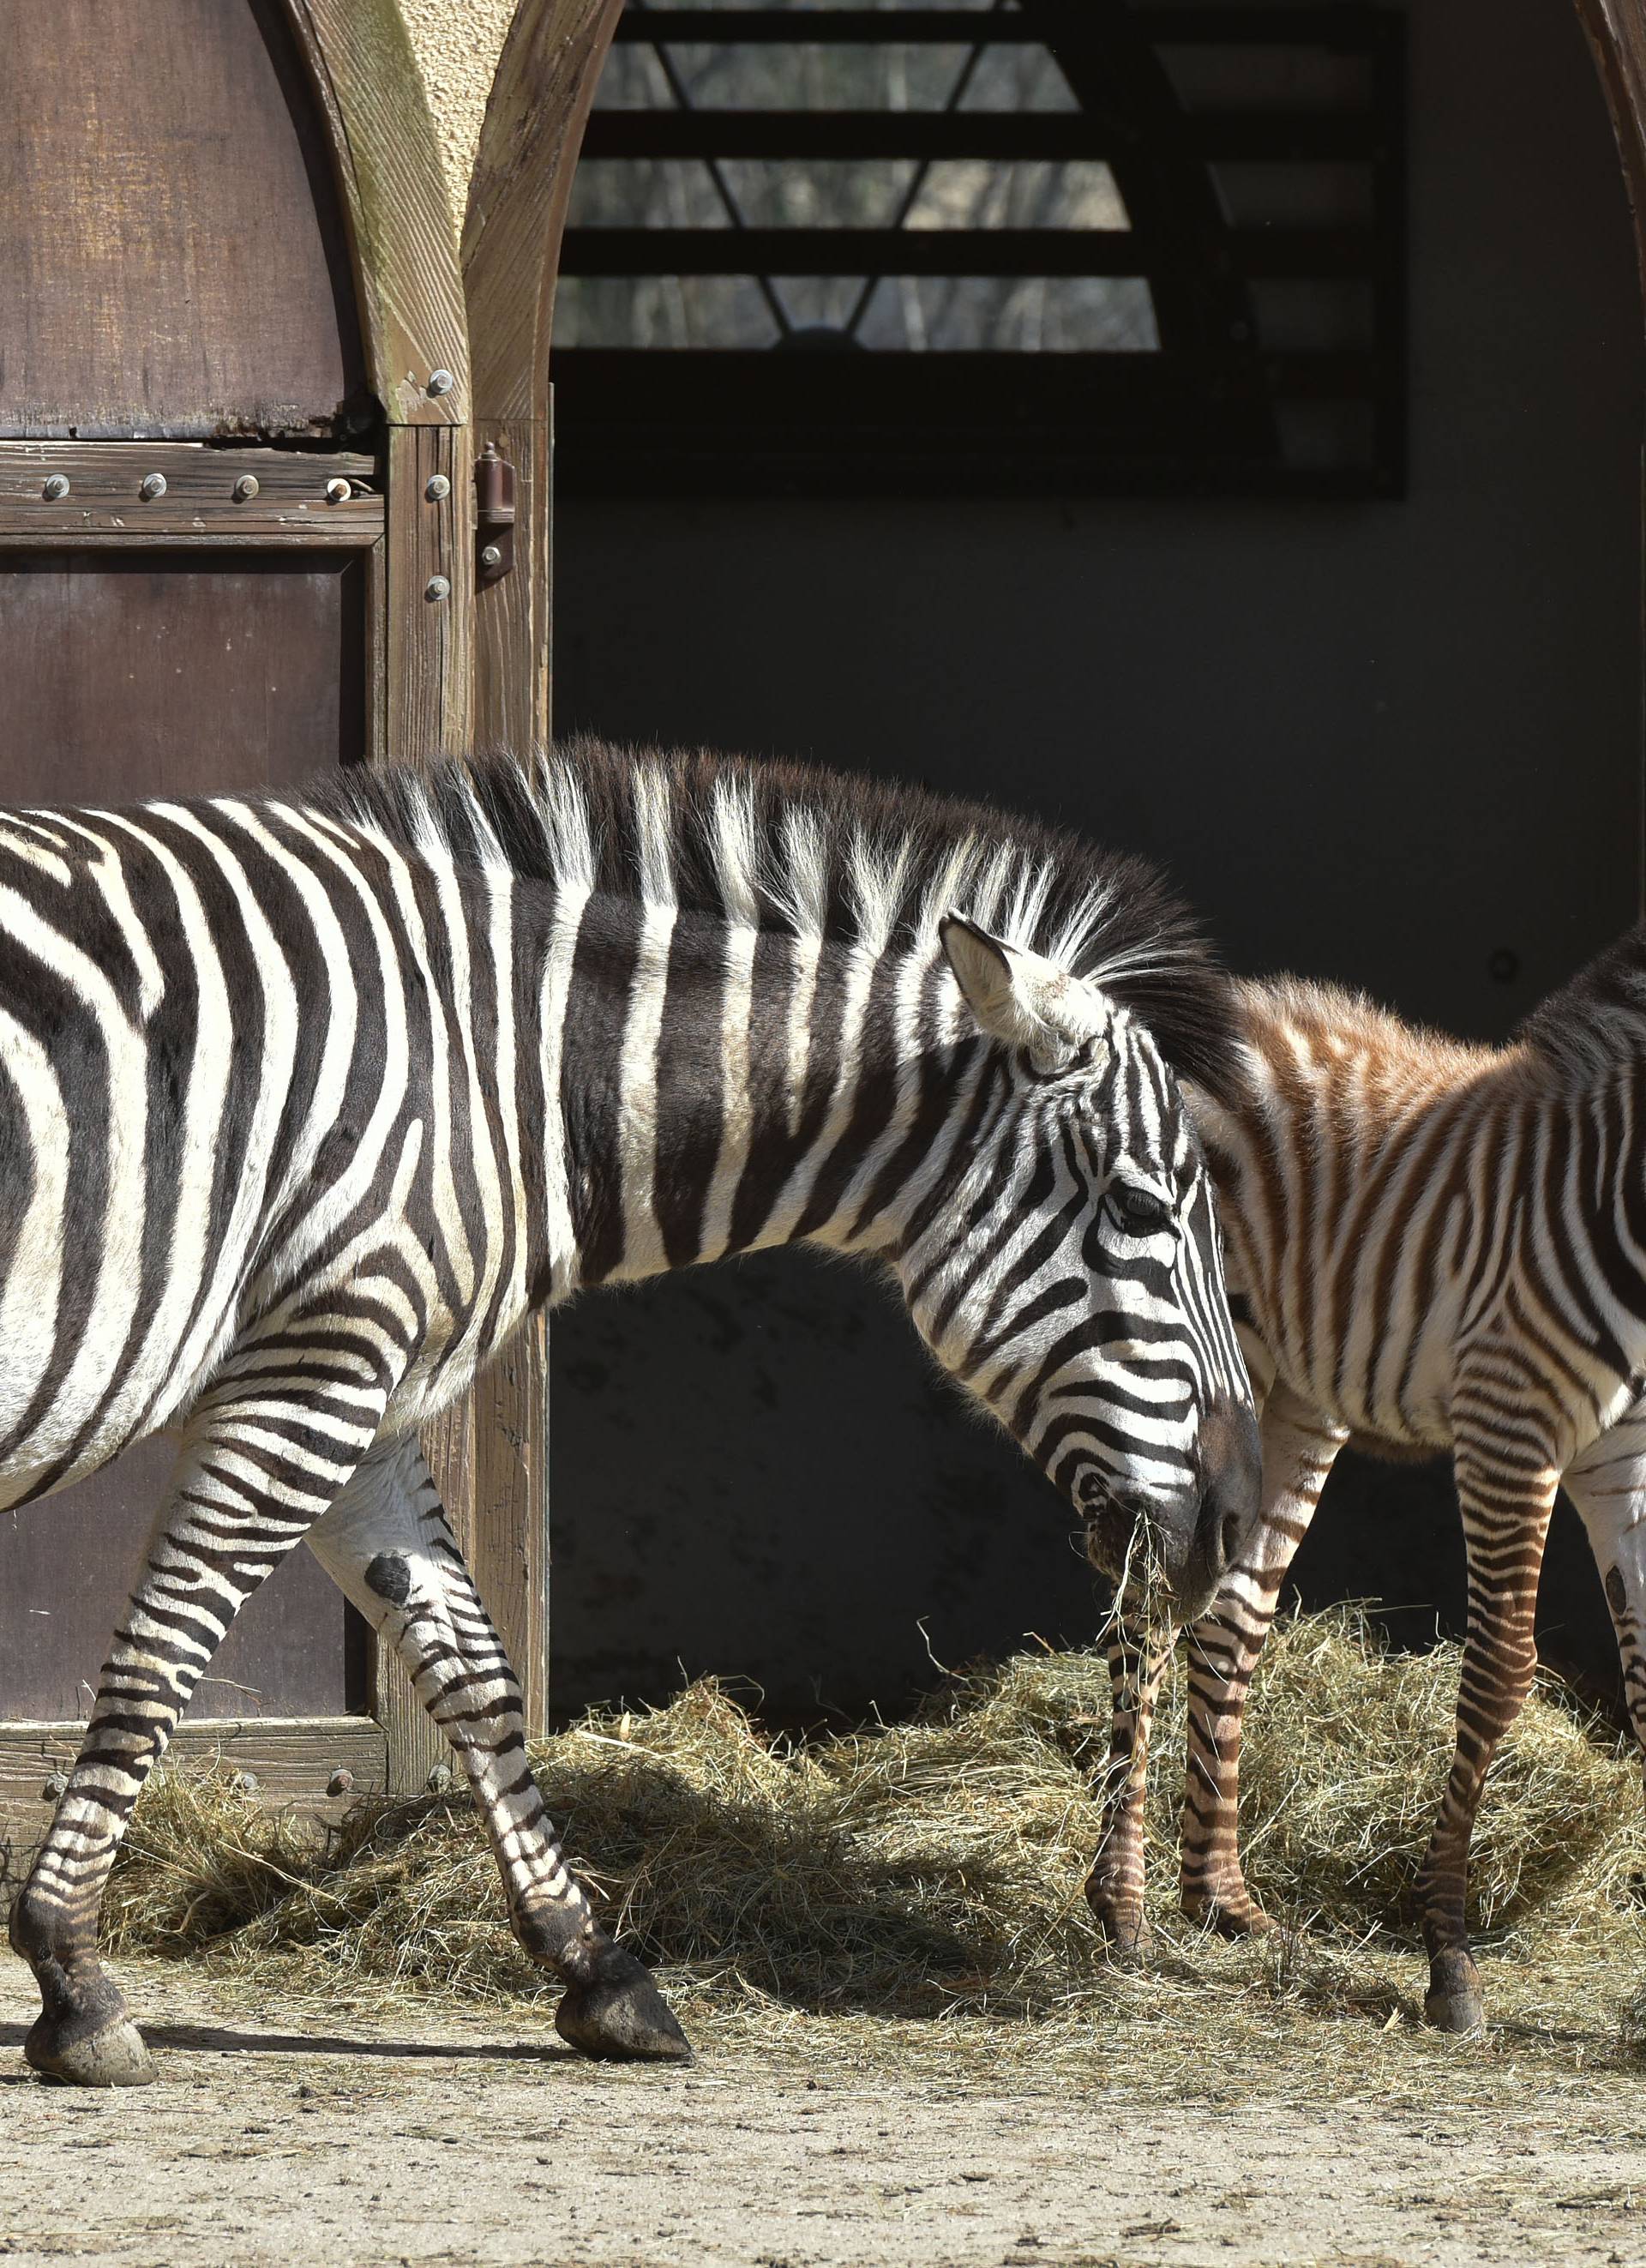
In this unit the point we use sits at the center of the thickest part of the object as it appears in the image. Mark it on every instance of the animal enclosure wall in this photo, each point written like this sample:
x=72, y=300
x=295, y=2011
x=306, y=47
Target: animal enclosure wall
x=1392, y=743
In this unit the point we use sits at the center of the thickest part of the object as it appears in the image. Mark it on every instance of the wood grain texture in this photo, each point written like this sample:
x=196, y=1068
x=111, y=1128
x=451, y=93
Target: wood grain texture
x=173, y=251
x=517, y=195
x=1617, y=35
x=291, y=1759
x=105, y=502
x=394, y=206
x=512, y=617
x=429, y=644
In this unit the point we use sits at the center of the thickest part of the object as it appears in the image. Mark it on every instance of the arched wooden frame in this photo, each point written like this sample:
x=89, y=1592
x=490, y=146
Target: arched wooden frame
x=517, y=210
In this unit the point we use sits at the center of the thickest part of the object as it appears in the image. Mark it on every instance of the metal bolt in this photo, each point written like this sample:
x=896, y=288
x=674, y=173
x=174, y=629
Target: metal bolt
x=437, y=587
x=57, y=487
x=52, y=1788
x=244, y=1783
x=437, y=488
x=338, y=491
x=245, y=488
x=341, y=1781
x=153, y=485
x=440, y=382
x=439, y=1779
x=491, y=556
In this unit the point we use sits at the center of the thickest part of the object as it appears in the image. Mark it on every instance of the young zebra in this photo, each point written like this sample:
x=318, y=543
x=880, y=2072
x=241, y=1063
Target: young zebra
x=304, y=1103
x=1430, y=1246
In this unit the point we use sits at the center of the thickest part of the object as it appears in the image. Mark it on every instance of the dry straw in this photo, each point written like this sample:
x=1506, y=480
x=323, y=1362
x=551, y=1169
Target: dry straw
x=934, y=1869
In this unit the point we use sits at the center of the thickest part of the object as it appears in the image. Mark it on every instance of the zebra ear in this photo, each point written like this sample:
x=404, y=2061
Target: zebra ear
x=1020, y=998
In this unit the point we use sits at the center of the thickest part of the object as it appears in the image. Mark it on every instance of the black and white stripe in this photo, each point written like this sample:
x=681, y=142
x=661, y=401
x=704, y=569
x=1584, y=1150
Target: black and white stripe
x=305, y=1104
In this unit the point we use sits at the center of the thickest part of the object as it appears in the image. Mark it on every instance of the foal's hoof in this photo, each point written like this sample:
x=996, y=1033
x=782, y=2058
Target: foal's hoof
x=114, y=2057
x=1230, y=1919
x=1454, y=2002
x=1121, y=1925
x=621, y=2017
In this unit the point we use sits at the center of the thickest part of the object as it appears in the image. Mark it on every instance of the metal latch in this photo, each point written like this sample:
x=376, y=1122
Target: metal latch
x=493, y=514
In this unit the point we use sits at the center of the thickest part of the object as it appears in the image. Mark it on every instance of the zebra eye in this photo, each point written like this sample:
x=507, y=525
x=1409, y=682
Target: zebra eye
x=1139, y=1211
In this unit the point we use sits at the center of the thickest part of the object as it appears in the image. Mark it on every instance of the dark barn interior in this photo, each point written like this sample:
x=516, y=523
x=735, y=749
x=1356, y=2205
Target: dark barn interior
x=1373, y=698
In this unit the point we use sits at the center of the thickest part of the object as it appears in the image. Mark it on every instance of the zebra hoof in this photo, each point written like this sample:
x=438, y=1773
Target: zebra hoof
x=1122, y=1926
x=1229, y=1920
x=621, y=2017
x=1454, y=2002
x=114, y=2057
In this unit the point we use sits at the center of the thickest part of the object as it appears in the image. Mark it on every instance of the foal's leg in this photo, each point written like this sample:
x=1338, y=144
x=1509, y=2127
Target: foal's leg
x=1299, y=1449
x=266, y=1452
x=1607, y=1483
x=1506, y=1511
x=1138, y=1655
x=386, y=1543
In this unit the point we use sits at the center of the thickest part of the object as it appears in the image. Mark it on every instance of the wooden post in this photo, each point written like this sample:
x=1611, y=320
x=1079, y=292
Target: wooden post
x=516, y=209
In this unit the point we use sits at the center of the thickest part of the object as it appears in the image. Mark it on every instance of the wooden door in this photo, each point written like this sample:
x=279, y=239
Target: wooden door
x=235, y=548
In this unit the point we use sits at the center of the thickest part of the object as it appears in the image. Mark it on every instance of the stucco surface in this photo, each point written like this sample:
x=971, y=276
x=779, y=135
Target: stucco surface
x=457, y=43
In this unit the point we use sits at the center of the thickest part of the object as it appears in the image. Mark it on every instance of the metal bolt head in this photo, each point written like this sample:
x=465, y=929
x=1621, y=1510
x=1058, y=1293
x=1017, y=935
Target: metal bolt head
x=153, y=485
x=57, y=487
x=440, y=382
x=341, y=1781
x=437, y=488
x=244, y=1783
x=491, y=556
x=52, y=1788
x=338, y=491
x=437, y=587
x=245, y=488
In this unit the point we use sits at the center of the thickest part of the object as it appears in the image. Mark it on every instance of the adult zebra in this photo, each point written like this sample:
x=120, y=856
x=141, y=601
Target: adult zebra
x=306, y=1103
x=1431, y=1246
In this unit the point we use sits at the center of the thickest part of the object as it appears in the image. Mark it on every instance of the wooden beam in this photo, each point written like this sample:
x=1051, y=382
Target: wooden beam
x=395, y=208
x=1616, y=30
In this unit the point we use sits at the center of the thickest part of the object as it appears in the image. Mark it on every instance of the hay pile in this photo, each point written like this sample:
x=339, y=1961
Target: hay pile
x=927, y=1869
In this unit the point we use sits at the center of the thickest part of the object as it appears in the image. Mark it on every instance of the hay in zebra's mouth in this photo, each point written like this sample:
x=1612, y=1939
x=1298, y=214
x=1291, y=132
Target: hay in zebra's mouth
x=934, y=1869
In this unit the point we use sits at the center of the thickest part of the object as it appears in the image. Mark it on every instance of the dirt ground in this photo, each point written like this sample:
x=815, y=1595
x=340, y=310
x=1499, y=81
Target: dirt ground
x=433, y=2135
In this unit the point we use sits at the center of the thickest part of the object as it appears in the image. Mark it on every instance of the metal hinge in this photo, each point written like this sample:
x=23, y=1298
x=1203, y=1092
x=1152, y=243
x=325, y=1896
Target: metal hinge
x=493, y=515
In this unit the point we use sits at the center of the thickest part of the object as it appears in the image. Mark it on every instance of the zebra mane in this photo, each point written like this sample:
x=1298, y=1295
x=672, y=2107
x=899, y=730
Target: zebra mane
x=795, y=848
x=1597, y=1020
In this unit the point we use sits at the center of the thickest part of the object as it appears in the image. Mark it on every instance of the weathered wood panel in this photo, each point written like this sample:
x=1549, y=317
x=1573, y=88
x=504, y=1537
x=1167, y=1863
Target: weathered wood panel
x=173, y=252
x=103, y=492
x=295, y=1762
x=1617, y=34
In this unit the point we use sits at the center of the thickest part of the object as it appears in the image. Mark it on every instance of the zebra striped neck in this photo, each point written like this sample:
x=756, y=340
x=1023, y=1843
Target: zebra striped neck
x=721, y=1089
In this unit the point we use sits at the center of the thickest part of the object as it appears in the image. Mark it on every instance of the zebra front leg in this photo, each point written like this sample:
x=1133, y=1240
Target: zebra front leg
x=1138, y=1656
x=258, y=1464
x=1299, y=1449
x=1505, y=1522
x=387, y=1545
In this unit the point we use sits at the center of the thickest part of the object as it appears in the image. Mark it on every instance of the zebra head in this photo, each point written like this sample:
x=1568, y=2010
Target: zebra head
x=1070, y=1274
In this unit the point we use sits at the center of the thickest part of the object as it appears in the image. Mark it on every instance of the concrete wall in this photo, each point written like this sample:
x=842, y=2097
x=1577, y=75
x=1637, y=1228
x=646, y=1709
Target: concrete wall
x=1376, y=743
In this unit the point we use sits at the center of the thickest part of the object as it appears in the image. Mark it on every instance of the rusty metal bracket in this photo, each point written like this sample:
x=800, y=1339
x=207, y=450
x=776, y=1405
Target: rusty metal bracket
x=493, y=514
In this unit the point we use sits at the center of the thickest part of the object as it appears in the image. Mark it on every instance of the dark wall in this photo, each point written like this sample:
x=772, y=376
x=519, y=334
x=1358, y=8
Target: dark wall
x=1379, y=743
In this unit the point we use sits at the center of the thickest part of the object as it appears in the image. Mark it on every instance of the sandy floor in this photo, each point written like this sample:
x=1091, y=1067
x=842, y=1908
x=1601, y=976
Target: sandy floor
x=455, y=2138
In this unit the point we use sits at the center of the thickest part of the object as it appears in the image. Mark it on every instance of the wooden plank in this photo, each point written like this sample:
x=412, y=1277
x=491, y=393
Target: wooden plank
x=511, y=618
x=395, y=204
x=430, y=542
x=529, y=144
x=205, y=494
x=293, y=1761
x=169, y=268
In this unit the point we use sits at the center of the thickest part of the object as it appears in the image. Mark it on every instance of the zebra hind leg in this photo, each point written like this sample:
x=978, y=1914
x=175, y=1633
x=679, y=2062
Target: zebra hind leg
x=236, y=1505
x=387, y=1545
x=1505, y=1522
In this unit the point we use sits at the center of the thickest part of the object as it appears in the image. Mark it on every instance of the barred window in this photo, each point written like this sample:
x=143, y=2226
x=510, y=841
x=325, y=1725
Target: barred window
x=1005, y=243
